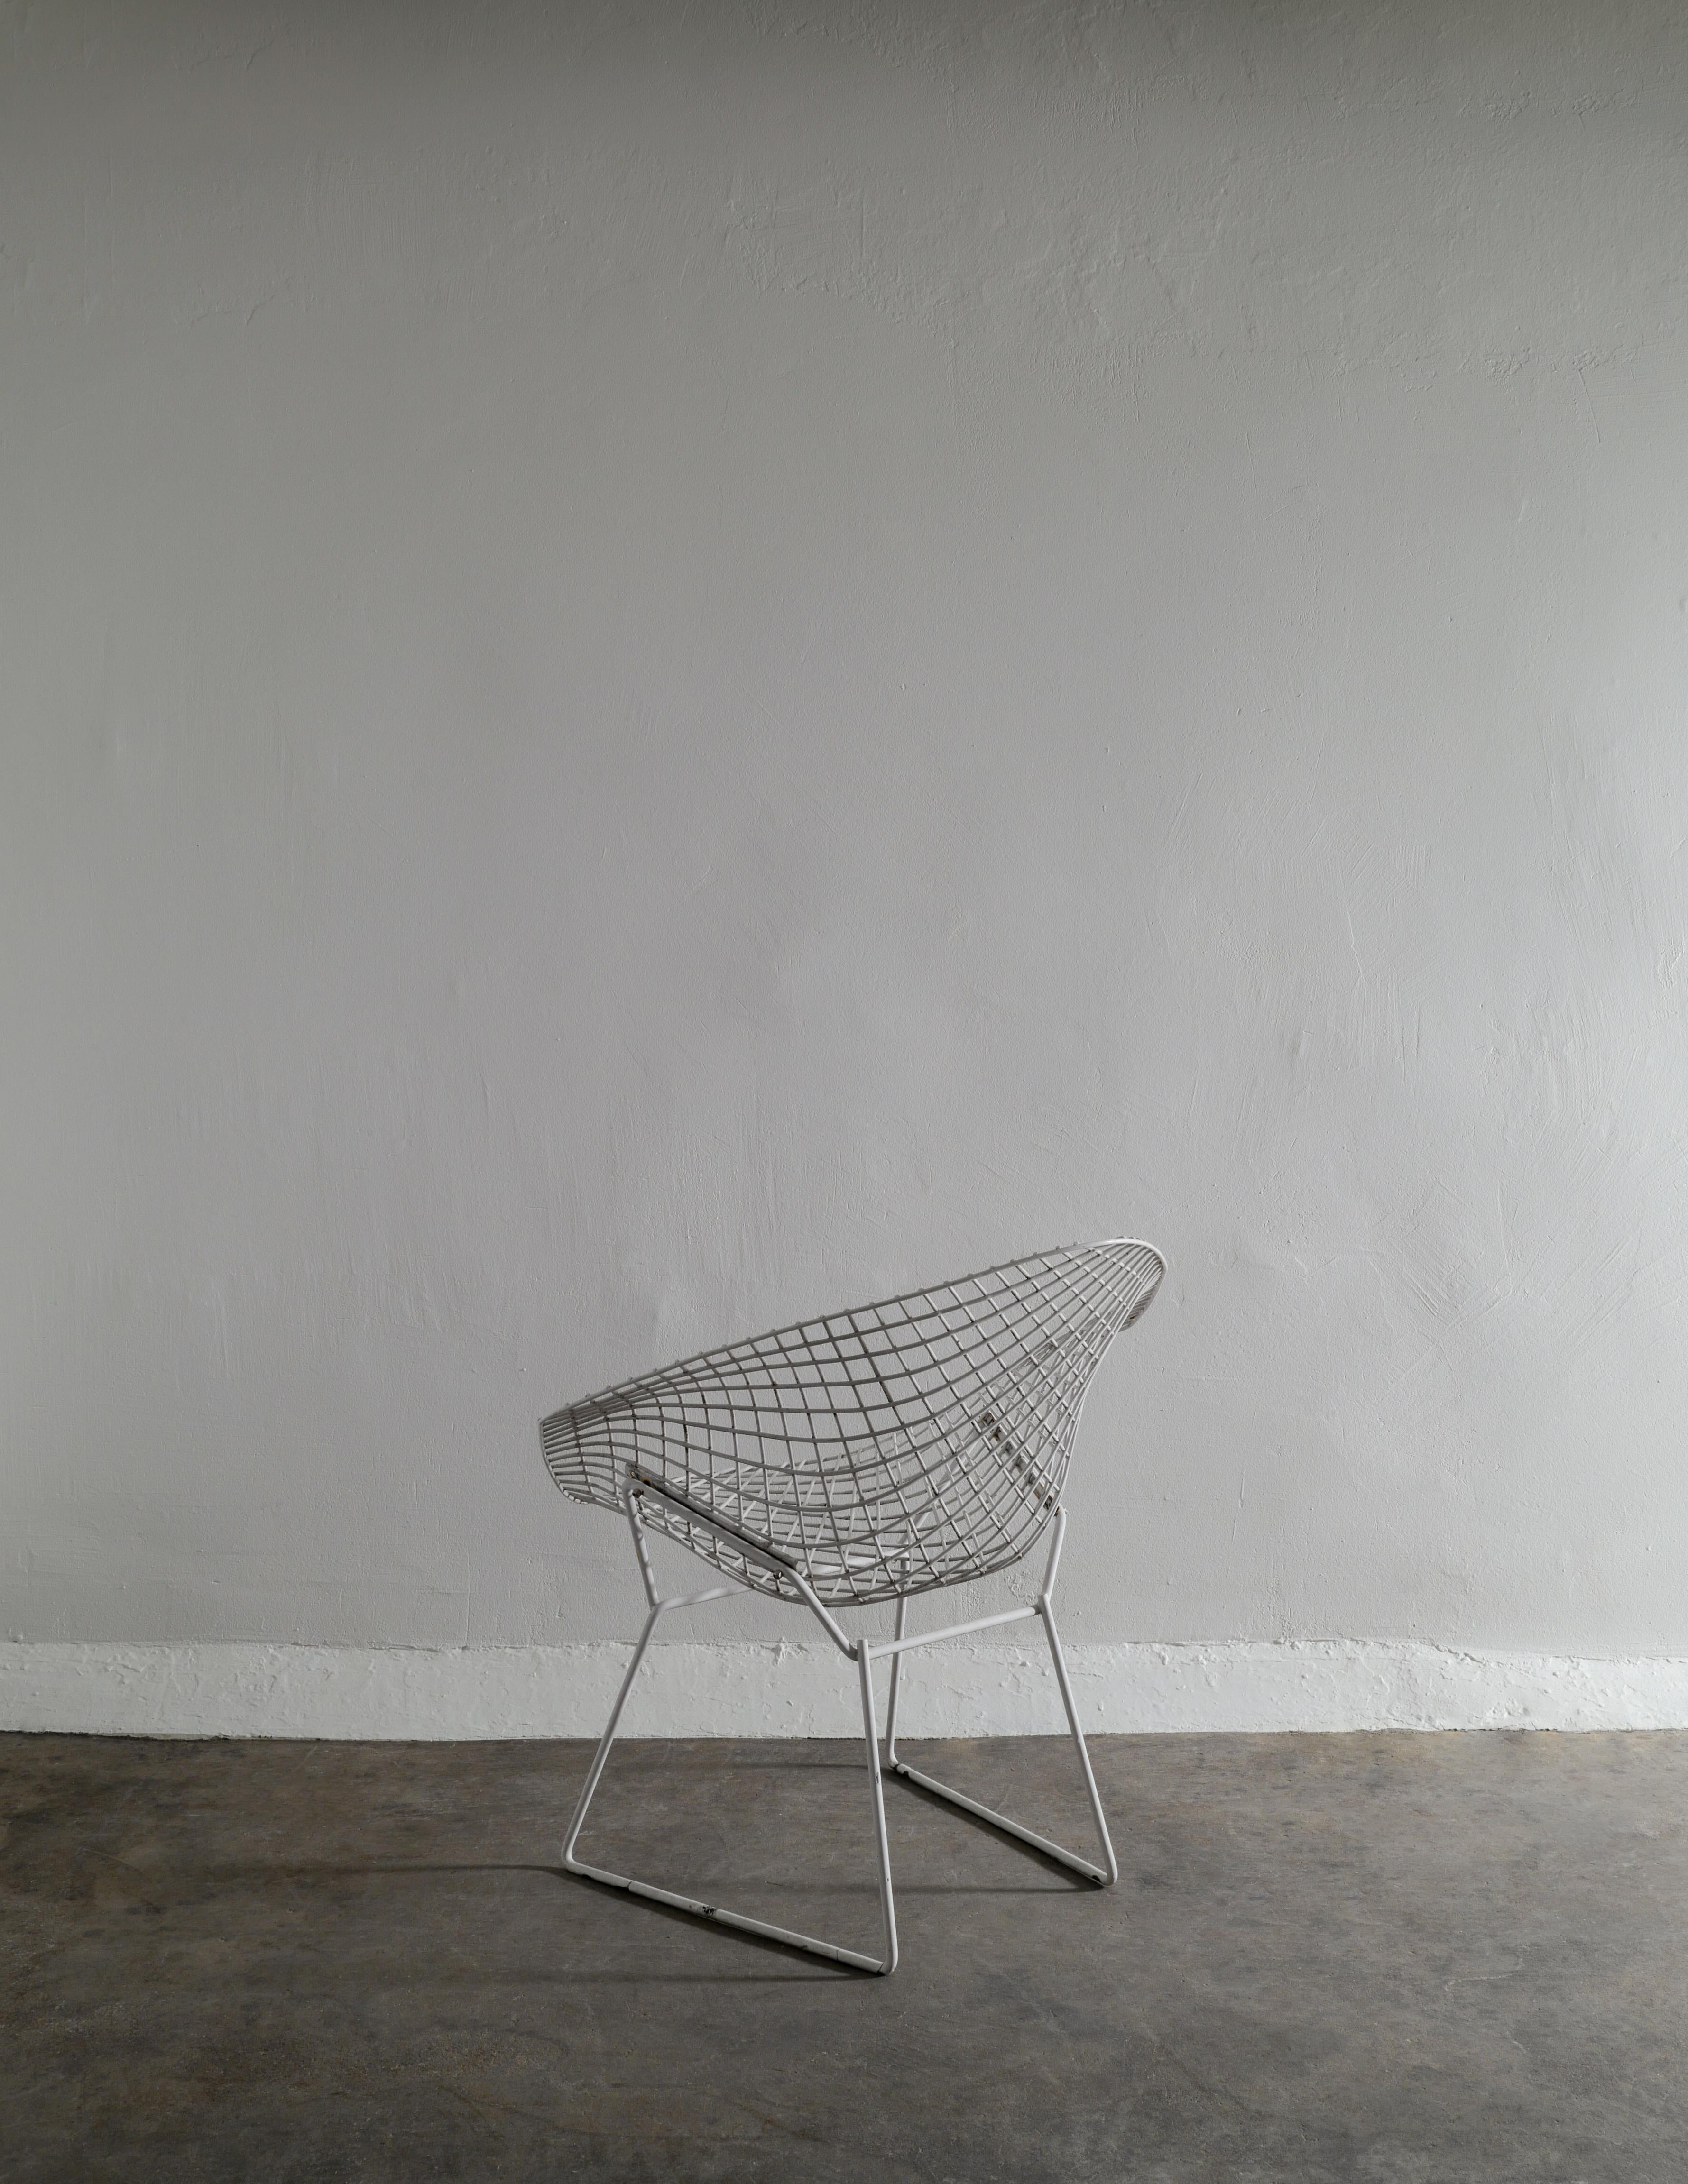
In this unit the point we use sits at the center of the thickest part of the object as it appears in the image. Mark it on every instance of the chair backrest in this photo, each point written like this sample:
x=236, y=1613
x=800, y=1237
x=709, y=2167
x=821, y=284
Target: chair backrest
x=904, y=1445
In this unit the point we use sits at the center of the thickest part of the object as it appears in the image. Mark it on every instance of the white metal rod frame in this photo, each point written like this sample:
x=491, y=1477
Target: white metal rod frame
x=864, y=1654
x=1103, y=1876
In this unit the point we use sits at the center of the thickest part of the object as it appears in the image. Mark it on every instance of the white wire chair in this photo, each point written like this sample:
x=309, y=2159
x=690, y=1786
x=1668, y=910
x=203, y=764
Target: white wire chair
x=869, y=1456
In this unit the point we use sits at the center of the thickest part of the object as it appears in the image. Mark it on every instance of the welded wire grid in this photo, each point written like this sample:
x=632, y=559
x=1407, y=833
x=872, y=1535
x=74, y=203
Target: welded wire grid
x=904, y=1444
x=908, y=1444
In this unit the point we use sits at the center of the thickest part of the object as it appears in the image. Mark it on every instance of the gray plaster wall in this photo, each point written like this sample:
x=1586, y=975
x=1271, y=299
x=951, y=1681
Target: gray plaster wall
x=665, y=666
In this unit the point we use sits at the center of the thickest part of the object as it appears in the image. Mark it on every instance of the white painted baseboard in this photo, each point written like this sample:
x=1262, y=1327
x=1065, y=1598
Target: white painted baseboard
x=807, y=1691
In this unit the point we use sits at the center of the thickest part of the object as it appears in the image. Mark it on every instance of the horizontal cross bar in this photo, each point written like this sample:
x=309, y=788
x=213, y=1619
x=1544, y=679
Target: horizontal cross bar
x=951, y=1630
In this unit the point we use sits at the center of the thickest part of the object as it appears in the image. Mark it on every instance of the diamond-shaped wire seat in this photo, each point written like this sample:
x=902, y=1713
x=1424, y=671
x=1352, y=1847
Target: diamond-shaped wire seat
x=883, y=1451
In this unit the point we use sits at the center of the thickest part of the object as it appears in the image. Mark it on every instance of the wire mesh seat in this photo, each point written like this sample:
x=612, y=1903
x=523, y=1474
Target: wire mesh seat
x=871, y=1455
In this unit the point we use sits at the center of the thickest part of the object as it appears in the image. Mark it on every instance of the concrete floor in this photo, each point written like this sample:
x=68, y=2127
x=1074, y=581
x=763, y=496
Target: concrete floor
x=1400, y=1960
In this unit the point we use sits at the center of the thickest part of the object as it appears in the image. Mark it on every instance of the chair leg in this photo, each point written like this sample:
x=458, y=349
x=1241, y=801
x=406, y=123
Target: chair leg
x=1103, y=1876
x=604, y=1741
x=1097, y=1814
x=854, y=1958
x=887, y=1902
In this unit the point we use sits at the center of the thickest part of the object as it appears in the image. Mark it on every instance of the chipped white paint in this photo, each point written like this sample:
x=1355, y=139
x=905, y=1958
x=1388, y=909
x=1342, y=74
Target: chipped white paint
x=753, y=1690
x=665, y=665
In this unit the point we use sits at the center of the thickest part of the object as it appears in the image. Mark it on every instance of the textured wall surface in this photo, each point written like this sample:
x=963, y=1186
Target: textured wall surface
x=666, y=666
